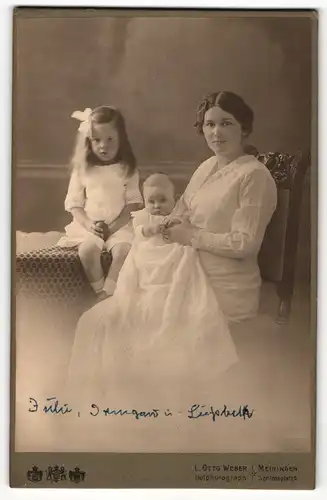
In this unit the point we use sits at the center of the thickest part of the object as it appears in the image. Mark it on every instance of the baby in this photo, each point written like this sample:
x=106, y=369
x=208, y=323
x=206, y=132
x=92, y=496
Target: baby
x=159, y=201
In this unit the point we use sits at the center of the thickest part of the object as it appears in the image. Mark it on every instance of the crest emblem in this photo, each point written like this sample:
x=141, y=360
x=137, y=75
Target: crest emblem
x=76, y=475
x=35, y=475
x=56, y=474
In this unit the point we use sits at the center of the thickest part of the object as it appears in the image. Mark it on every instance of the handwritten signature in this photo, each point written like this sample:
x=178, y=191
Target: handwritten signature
x=53, y=407
x=196, y=411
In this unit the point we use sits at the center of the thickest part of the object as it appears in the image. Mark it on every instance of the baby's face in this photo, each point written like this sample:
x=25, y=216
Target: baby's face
x=158, y=201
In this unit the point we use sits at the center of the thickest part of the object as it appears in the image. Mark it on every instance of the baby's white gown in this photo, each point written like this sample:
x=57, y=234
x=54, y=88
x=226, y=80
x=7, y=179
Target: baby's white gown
x=161, y=334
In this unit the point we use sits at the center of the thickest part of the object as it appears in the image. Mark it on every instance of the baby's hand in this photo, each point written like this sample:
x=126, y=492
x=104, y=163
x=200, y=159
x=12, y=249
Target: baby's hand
x=171, y=222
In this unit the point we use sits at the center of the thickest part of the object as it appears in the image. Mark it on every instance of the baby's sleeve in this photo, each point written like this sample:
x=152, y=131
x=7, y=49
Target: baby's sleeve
x=139, y=219
x=75, y=197
x=133, y=194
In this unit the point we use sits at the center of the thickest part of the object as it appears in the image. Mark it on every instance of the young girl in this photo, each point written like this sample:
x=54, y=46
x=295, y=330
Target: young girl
x=163, y=327
x=102, y=193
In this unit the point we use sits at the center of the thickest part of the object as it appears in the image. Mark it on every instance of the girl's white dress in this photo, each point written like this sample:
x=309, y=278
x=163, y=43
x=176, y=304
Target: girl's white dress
x=162, y=328
x=102, y=191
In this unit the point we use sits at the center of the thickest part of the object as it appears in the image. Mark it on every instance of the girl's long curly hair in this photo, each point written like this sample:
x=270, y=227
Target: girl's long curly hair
x=83, y=157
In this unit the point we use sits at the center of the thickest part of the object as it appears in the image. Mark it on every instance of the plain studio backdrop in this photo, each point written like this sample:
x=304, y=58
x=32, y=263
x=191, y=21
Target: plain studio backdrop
x=156, y=70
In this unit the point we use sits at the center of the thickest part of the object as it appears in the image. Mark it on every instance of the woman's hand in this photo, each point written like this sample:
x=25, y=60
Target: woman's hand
x=180, y=233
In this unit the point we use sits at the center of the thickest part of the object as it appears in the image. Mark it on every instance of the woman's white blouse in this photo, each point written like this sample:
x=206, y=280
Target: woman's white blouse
x=232, y=207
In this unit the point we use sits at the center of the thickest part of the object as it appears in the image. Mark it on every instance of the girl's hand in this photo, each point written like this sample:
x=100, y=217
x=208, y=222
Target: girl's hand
x=180, y=233
x=94, y=228
x=105, y=229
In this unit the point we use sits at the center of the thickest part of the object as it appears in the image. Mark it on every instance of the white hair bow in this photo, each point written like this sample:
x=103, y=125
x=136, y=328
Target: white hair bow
x=84, y=118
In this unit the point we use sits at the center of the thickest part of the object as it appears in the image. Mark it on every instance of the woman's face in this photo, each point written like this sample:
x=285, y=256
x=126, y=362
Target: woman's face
x=222, y=132
x=105, y=141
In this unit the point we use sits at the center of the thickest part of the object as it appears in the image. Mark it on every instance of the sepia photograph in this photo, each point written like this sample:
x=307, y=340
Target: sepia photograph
x=164, y=194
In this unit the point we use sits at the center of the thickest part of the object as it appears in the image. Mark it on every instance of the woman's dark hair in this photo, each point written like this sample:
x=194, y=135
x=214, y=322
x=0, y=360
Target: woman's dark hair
x=84, y=156
x=229, y=102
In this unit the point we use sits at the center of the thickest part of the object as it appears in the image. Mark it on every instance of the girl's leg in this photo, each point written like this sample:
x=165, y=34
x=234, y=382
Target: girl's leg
x=90, y=254
x=119, y=253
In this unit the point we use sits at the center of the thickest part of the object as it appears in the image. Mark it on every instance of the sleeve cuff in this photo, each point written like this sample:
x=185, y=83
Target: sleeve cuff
x=209, y=242
x=196, y=239
x=70, y=207
x=138, y=232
